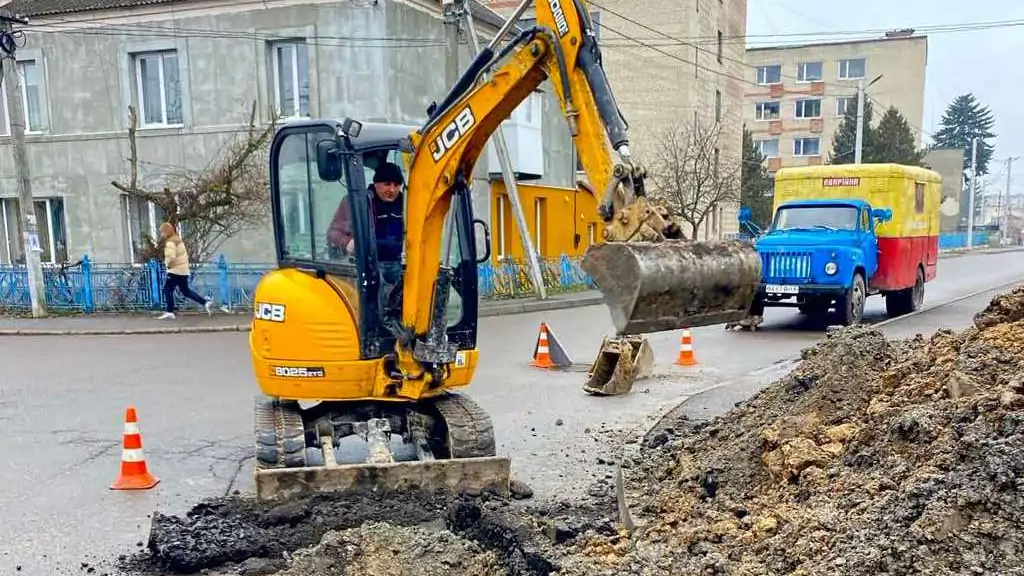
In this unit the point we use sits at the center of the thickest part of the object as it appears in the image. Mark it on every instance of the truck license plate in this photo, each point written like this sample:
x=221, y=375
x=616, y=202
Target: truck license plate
x=780, y=289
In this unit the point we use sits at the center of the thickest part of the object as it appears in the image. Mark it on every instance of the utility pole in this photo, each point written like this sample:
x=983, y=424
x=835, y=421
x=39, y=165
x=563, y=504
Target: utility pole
x=974, y=188
x=1006, y=206
x=507, y=175
x=859, y=147
x=27, y=215
x=861, y=96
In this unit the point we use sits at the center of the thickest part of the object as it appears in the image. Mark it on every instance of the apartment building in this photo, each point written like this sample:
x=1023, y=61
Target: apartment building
x=800, y=93
x=671, y=62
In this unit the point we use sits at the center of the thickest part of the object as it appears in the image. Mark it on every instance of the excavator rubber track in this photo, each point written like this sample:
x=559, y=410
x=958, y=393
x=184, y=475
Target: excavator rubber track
x=452, y=435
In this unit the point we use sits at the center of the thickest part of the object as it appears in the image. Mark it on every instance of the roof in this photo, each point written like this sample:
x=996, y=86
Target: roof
x=837, y=43
x=856, y=170
x=37, y=8
x=372, y=135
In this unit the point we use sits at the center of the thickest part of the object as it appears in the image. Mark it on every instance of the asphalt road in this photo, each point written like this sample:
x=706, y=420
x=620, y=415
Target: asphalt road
x=62, y=401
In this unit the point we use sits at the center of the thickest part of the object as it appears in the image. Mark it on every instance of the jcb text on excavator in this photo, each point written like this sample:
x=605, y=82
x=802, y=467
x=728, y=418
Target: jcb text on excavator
x=373, y=341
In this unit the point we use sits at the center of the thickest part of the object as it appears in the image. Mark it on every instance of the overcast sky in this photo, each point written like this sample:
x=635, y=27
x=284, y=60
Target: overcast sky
x=988, y=62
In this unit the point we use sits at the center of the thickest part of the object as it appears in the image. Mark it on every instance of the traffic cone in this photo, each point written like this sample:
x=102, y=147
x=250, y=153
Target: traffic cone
x=686, y=357
x=548, y=351
x=134, y=472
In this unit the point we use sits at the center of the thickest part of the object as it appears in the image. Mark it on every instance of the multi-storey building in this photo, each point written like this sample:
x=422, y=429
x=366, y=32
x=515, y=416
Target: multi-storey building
x=672, y=62
x=800, y=93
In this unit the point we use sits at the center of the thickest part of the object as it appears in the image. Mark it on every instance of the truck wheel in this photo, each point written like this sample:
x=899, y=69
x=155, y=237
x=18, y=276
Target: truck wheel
x=907, y=300
x=850, y=306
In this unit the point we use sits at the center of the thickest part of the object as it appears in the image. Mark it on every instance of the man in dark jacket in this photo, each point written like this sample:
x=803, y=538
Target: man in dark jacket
x=386, y=211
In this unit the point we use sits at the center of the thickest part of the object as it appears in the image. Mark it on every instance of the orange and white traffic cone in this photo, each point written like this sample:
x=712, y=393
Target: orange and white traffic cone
x=134, y=472
x=542, y=353
x=686, y=357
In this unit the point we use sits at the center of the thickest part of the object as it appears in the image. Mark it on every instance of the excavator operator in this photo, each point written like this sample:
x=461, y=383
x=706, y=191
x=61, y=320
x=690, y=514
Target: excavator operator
x=388, y=226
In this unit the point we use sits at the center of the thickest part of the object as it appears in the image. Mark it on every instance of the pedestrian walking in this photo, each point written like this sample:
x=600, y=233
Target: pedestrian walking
x=178, y=271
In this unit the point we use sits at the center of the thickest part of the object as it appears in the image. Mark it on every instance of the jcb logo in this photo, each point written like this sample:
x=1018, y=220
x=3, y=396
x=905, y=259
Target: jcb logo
x=452, y=133
x=560, y=21
x=269, y=312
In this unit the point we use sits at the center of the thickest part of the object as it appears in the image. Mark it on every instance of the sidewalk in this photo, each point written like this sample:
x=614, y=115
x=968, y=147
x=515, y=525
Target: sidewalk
x=146, y=323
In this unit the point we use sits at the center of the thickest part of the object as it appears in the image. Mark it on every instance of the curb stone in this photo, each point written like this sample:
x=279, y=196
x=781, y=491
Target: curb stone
x=505, y=308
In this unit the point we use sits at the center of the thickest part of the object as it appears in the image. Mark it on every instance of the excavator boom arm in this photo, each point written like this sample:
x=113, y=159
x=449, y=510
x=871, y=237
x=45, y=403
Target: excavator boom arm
x=562, y=48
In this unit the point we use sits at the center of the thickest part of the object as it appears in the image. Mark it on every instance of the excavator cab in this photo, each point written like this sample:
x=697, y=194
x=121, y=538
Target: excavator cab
x=327, y=323
x=316, y=168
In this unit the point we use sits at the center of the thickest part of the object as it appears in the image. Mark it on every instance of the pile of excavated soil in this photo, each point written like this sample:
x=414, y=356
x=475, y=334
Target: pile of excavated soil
x=872, y=457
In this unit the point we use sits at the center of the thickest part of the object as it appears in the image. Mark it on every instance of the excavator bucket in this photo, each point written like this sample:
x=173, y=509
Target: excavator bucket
x=674, y=284
x=620, y=362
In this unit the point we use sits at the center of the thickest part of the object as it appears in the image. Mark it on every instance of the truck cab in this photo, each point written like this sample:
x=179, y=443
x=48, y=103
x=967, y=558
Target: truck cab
x=820, y=254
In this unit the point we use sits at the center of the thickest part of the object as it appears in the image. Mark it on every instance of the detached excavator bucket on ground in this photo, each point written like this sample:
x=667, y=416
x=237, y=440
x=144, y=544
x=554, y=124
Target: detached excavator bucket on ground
x=620, y=363
x=660, y=286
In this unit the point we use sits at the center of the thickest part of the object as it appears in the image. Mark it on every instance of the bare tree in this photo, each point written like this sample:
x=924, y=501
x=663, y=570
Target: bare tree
x=208, y=206
x=689, y=174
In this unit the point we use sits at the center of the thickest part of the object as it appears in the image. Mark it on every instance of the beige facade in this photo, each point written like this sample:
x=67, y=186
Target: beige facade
x=799, y=93
x=672, y=62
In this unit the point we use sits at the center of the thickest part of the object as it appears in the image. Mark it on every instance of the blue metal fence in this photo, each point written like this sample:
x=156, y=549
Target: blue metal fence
x=88, y=286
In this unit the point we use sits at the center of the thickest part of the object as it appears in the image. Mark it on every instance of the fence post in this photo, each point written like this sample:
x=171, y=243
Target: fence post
x=87, y=293
x=154, y=282
x=225, y=288
x=567, y=275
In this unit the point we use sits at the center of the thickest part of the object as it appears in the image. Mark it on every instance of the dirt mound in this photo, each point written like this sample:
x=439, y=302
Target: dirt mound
x=872, y=457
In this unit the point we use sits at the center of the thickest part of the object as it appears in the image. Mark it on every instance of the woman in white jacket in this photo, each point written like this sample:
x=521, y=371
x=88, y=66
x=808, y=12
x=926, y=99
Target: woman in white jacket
x=178, y=271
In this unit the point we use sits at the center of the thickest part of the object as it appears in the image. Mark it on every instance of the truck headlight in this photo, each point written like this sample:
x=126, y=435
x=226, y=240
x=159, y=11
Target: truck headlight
x=831, y=268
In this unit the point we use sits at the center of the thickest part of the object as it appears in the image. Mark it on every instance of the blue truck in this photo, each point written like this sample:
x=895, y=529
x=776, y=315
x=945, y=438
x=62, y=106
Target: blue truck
x=840, y=234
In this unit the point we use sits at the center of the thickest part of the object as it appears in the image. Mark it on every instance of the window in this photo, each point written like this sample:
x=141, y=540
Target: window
x=718, y=154
x=718, y=105
x=719, y=46
x=30, y=76
x=809, y=108
x=308, y=204
x=291, y=78
x=768, y=148
x=837, y=217
x=141, y=221
x=852, y=69
x=540, y=238
x=159, y=89
x=767, y=110
x=51, y=225
x=806, y=146
x=919, y=197
x=865, y=220
x=844, y=103
x=769, y=74
x=808, y=72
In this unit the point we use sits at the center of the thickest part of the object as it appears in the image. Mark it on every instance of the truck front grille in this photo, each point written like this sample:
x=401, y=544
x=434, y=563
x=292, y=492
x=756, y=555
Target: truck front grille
x=787, y=265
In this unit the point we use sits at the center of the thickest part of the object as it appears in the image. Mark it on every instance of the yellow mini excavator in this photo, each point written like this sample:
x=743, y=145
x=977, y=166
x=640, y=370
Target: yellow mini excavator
x=341, y=350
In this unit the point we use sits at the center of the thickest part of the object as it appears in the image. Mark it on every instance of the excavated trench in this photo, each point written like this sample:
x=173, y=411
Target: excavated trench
x=872, y=457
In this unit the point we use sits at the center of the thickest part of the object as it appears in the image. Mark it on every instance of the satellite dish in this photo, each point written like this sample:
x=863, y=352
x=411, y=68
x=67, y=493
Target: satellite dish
x=949, y=207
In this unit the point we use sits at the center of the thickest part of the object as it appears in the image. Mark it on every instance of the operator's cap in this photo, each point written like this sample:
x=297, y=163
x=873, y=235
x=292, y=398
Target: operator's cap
x=388, y=172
